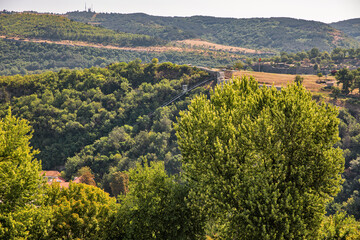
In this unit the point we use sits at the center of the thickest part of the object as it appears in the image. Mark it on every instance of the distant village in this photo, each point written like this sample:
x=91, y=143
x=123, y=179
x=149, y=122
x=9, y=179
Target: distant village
x=304, y=67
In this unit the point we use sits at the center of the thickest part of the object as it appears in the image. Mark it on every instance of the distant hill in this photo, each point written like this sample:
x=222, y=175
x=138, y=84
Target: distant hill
x=351, y=27
x=22, y=57
x=281, y=34
x=55, y=27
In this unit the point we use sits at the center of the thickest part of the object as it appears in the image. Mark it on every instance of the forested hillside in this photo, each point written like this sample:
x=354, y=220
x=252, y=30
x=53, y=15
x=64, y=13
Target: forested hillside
x=109, y=120
x=113, y=110
x=55, y=27
x=18, y=57
x=350, y=27
x=281, y=34
x=151, y=149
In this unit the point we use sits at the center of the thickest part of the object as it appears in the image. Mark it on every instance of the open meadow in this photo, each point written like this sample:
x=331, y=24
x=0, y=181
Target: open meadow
x=284, y=79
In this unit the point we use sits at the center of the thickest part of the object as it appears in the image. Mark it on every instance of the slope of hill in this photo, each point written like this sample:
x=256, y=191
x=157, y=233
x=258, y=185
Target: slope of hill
x=22, y=57
x=282, y=34
x=55, y=27
x=351, y=27
x=71, y=109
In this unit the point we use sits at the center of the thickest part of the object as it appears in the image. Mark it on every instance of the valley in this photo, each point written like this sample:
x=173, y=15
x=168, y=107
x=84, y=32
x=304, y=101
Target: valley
x=136, y=126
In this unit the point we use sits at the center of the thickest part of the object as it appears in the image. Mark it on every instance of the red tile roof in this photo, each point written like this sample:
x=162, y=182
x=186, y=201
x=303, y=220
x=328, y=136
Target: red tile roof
x=77, y=180
x=50, y=173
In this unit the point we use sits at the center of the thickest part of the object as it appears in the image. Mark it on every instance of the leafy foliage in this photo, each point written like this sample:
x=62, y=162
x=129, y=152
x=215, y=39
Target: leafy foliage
x=339, y=226
x=79, y=212
x=55, y=27
x=350, y=79
x=348, y=199
x=261, y=162
x=72, y=109
x=20, y=182
x=350, y=27
x=155, y=207
x=283, y=34
x=18, y=57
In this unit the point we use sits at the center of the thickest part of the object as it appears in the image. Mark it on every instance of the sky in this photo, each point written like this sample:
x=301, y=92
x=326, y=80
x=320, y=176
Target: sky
x=318, y=10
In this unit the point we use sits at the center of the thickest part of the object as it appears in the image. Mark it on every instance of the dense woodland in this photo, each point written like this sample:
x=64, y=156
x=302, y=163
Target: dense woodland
x=232, y=162
x=281, y=34
x=18, y=57
x=350, y=27
x=336, y=55
x=105, y=108
x=55, y=27
x=134, y=155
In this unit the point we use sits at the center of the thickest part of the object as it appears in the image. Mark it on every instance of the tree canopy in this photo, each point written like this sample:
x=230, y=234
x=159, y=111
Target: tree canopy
x=20, y=180
x=155, y=207
x=261, y=162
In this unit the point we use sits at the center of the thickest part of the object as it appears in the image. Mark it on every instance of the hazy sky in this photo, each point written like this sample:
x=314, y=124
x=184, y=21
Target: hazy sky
x=318, y=10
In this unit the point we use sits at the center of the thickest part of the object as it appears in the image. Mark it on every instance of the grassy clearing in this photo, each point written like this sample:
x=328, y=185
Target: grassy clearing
x=284, y=79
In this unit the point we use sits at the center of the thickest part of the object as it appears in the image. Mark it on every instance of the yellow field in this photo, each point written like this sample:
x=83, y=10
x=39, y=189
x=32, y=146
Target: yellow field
x=208, y=45
x=284, y=79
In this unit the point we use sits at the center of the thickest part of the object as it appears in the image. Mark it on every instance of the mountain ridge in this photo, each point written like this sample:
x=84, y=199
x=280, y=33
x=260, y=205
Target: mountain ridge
x=57, y=27
x=351, y=27
x=279, y=33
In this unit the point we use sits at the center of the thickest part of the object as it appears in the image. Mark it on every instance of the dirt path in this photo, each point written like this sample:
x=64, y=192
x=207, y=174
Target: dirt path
x=86, y=44
x=190, y=45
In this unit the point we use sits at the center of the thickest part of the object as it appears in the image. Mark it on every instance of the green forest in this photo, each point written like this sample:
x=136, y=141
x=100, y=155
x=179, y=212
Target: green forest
x=18, y=57
x=280, y=34
x=72, y=109
x=197, y=168
x=55, y=27
x=148, y=145
x=351, y=27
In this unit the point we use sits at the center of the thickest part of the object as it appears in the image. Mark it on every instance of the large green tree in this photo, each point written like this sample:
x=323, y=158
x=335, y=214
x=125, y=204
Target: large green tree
x=155, y=207
x=20, y=182
x=261, y=162
x=346, y=77
x=79, y=212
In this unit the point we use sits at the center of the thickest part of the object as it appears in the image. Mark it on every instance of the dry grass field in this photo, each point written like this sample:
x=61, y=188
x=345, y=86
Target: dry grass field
x=284, y=79
x=190, y=43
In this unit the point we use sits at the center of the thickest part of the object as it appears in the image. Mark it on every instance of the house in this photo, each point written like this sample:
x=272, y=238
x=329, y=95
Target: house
x=55, y=177
x=52, y=176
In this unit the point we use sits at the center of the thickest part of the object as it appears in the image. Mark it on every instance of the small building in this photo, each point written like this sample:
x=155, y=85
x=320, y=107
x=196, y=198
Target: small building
x=330, y=83
x=52, y=176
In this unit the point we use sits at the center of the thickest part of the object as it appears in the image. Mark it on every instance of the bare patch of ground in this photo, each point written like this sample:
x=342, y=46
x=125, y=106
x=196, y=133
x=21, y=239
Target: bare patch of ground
x=337, y=36
x=213, y=46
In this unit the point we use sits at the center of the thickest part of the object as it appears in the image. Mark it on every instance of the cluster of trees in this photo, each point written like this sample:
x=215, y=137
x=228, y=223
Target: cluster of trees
x=348, y=199
x=72, y=109
x=281, y=34
x=317, y=56
x=55, y=27
x=351, y=27
x=153, y=207
x=18, y=57
x=268, y=176
x=322, y=61
x=350, y=80
x=264, y=161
